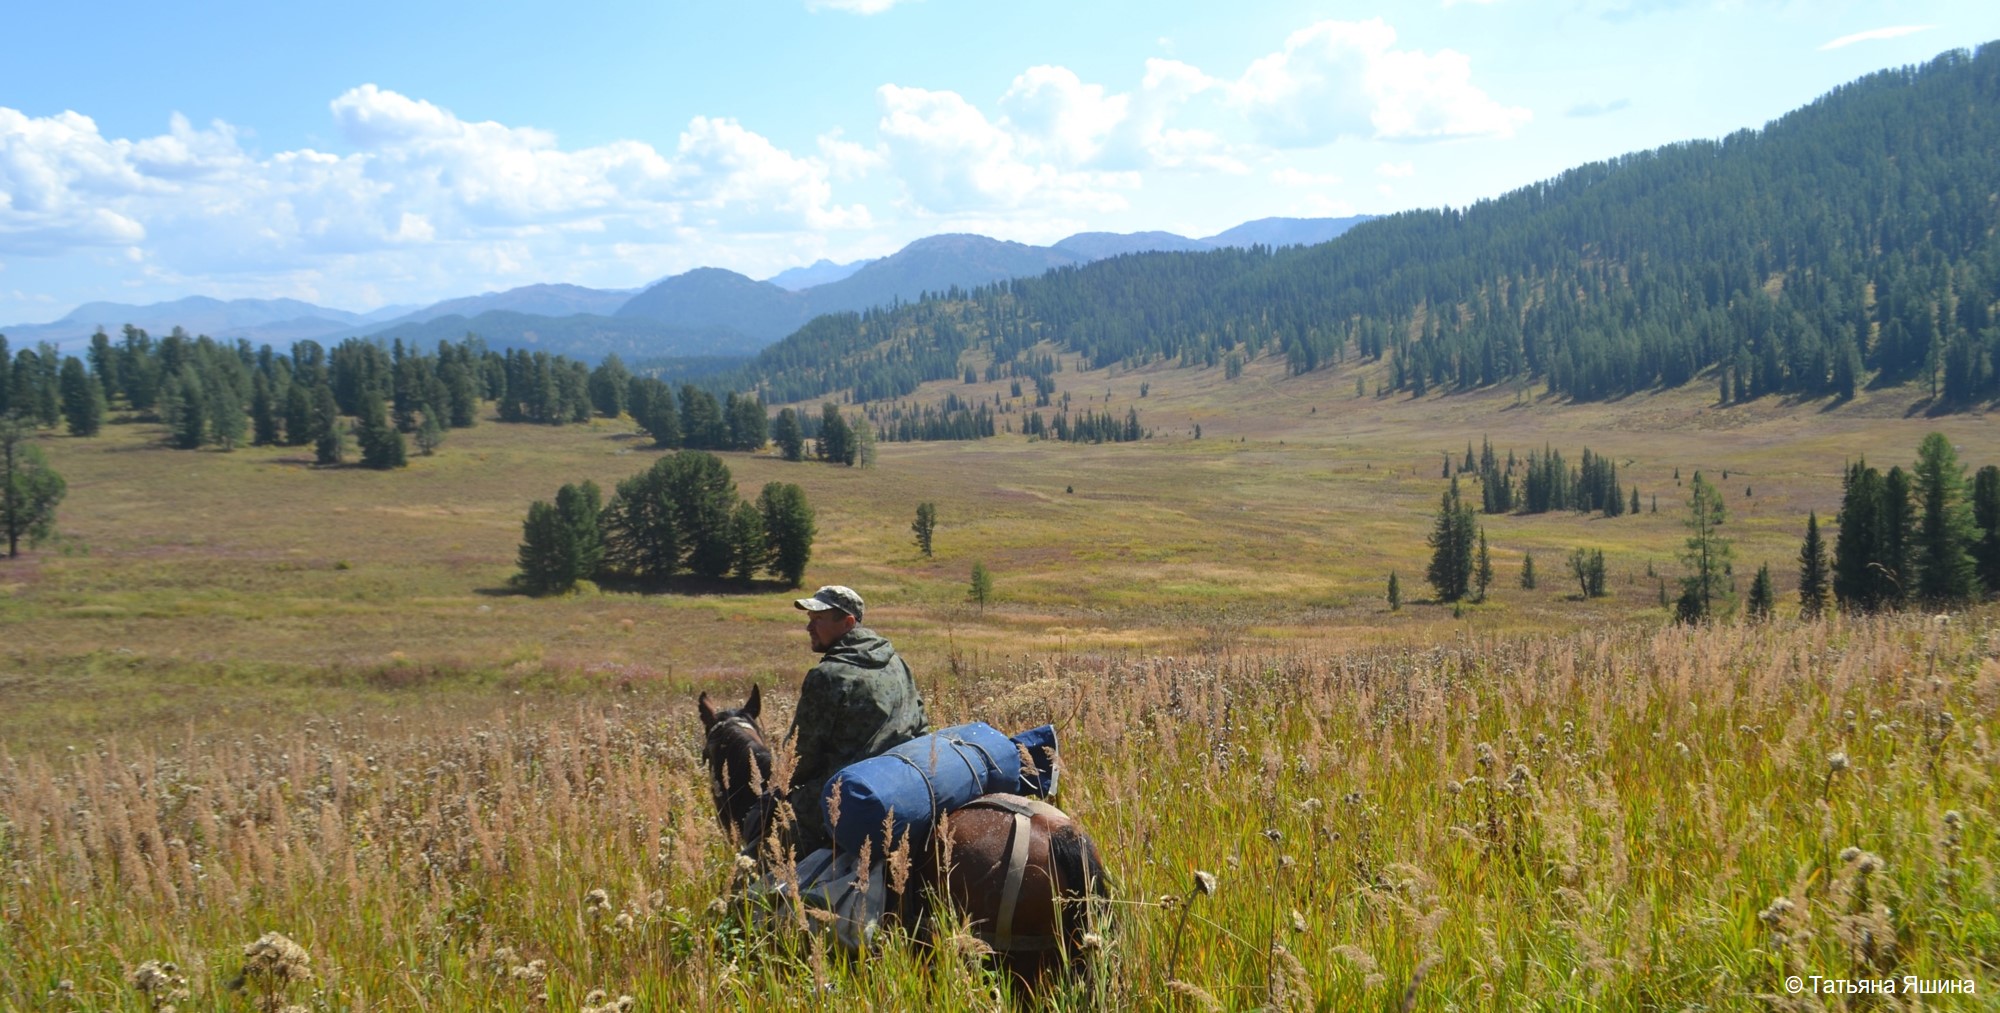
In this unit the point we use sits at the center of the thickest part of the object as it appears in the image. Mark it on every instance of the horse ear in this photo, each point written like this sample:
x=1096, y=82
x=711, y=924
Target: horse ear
x=707, y=711
x=755, y=704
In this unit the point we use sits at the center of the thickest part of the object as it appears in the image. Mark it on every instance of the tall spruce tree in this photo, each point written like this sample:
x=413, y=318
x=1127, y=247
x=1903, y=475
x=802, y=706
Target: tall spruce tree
x=1705, y=590
x=1946, y=572
x=790, y=438
x=82, y=400
x=547, y=559
x=1451, y=541
x=381, y=444
x=1482, y=568
x=329, y=439
x=788, y=523
x=1986, y=518
x=1812, y=571
x=925, y=526
x=752, y=547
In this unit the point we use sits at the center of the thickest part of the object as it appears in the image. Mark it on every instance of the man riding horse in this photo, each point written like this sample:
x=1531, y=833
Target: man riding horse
x=858, y=702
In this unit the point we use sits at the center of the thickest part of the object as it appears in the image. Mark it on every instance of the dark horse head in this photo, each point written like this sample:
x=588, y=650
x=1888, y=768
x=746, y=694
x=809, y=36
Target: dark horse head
x=739, y=764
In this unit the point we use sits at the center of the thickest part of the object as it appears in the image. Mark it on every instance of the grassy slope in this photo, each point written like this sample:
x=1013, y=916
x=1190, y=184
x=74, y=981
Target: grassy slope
x=203, y=581
x=313, y=681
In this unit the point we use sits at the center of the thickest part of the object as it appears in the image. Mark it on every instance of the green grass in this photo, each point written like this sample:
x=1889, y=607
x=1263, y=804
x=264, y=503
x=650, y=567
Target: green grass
x=225, y=639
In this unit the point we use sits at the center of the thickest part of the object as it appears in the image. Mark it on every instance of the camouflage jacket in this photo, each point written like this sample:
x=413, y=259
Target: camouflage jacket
x=859, y=701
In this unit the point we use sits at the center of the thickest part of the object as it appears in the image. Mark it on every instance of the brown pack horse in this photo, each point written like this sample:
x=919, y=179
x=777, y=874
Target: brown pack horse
x=1023, y=874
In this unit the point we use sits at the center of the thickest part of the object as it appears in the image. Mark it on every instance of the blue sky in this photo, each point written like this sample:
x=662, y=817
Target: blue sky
x=369, y=153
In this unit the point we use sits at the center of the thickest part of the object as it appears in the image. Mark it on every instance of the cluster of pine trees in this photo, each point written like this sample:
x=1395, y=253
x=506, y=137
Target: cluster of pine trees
x=682, y=515
x=1547, y=482
x=1087, y=427
x=953, y=419
x=695, y=419
x=1926, y=536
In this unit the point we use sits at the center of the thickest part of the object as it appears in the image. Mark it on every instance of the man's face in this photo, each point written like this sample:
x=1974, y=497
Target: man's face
x=826, y=627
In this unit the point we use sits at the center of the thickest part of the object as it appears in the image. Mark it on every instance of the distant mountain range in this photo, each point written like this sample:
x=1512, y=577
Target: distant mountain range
x=706, y=311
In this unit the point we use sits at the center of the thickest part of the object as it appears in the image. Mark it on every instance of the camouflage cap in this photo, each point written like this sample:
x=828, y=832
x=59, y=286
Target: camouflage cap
x=832, y=596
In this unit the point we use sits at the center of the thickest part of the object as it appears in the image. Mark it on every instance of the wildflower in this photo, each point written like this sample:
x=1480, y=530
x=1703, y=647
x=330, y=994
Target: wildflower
x=1849, y=854
x=1286, y=861
x=1272, y=835
x=1519, y=775
x=1298, y=921
x=596, y=902
x=276, y=961
x=1836, y=762
x=1204, y=883
x=1453, y=787
x=1092, y=942
x=1868, y=863
x=1774, y=915
x=623, y=923
x=161, y=982
x=718, y=907
x=744, y=863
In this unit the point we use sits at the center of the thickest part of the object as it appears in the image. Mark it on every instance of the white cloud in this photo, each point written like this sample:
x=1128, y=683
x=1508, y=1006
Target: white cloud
x=1339, y=79
x=1396, y=170
x=1294, y=177
x=423, y=200
x=1057, y=116
x=951, y=158
x=863, y=7
x=1876, y=34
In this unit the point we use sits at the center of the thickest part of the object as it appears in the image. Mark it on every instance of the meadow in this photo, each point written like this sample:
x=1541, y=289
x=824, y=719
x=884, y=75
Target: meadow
x=250, y=696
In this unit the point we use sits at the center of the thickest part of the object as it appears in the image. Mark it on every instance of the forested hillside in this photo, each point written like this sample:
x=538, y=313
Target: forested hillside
x=1850, y=242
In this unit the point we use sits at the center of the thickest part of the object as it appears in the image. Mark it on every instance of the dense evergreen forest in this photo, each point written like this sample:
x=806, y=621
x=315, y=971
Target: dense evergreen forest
x=1850, y=242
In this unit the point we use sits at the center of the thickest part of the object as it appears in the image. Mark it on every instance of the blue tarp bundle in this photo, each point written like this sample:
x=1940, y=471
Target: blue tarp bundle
x=910, y=786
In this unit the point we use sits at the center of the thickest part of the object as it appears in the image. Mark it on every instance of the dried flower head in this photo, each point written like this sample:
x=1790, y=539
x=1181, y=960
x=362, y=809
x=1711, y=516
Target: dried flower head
x=1204, y=883
x=596, y=902
x=1774, y=915
x=1298, y=921
x=1868, y=863
x=276, y=961
x=1836, y=762
x=1849, y=854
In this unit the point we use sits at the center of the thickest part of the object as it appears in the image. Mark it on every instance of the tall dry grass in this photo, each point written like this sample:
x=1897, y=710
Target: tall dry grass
x=1622, y=819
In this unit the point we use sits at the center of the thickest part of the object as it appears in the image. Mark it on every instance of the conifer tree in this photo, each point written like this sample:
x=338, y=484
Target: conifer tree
x=579, y=507
x=1762, y=596
x=329, y=441
x=30, y=490
x=981, y=589
x=381, y=444
x=264, y=415
x=298, y=414
x=1986, y=519
x=1528, y=571
x=1946, y=572
x=1482, y=568
x=789, y=437
x=430, y=432
x=836, y=444
x=1812, y=571
x=788, y=524
x=925, y=526
x=1451, y=541
x=1395, y=593
x=546, y=561
x=751, y=545
x=1706, y=555
x=82, y=400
